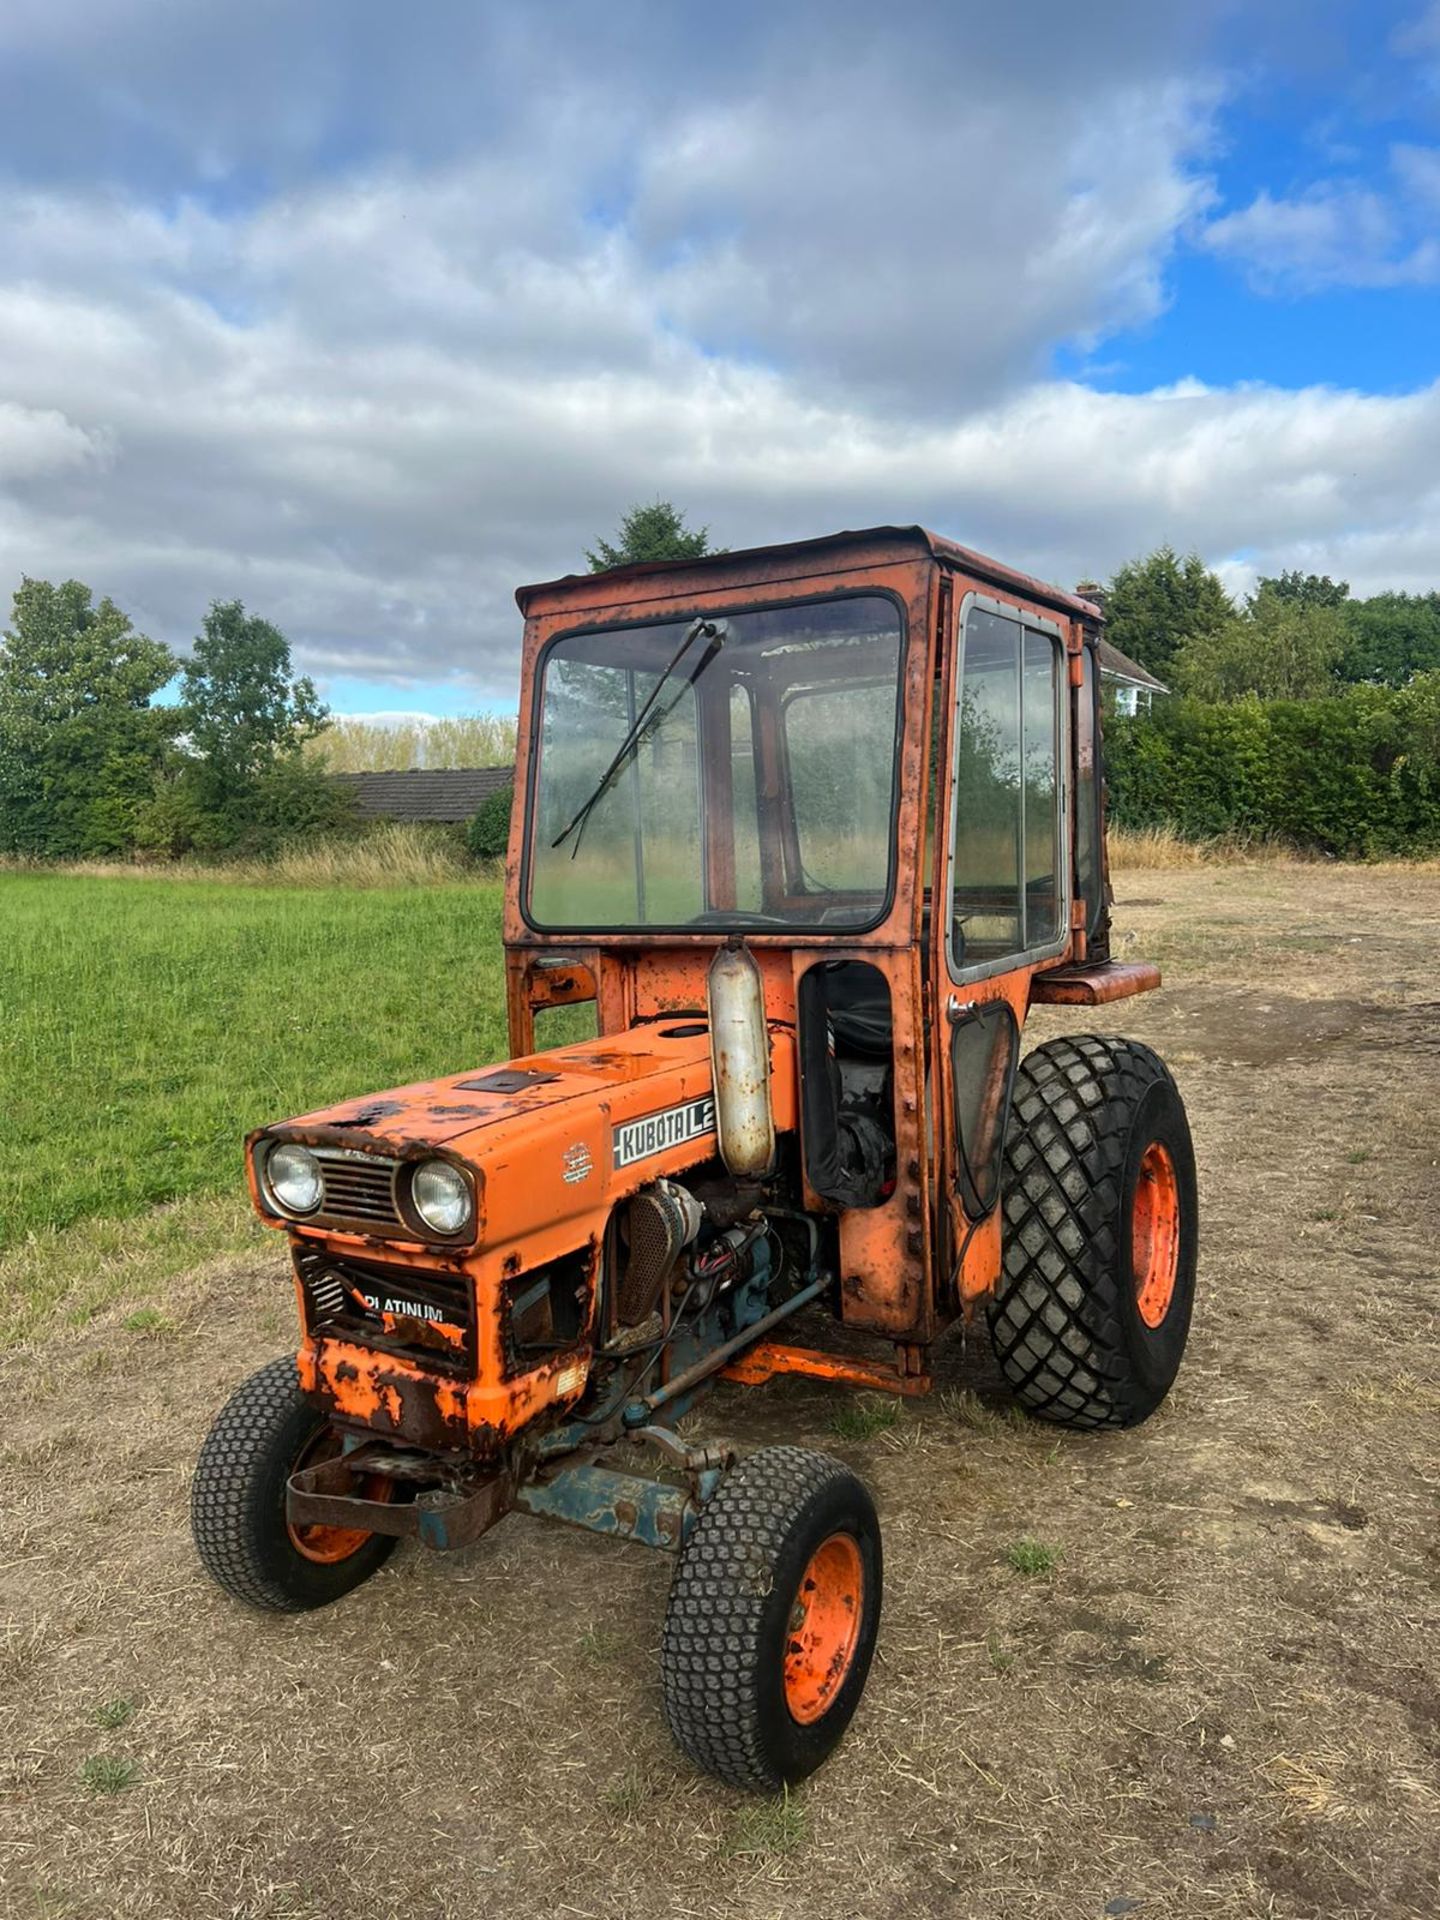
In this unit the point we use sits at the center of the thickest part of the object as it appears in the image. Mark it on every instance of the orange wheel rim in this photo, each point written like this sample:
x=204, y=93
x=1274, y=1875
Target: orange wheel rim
x=1155, y=1231
x=824, y=1627
x=327, y=1545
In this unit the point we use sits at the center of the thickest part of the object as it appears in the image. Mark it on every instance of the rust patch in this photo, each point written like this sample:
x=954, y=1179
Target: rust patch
x=370, y=1114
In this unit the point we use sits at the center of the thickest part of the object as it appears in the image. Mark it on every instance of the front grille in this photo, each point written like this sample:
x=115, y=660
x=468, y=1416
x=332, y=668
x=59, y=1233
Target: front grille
x=358, y=1186
x=427, y=1317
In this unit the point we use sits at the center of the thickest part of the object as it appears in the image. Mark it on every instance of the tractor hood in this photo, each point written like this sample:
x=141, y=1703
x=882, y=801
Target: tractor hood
x=444, y=1112
x=551, y=1140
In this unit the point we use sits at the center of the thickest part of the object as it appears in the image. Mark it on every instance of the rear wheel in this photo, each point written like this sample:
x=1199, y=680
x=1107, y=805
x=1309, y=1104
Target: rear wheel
x=772, y=1619
x=264, y=1432
x=1090, y=1319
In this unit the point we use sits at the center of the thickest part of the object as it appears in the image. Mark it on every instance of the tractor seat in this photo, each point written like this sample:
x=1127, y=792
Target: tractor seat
x=857, y=997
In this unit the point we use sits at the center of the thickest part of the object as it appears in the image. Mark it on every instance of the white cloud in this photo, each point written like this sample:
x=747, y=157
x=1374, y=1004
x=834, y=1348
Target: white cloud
x=36, y=441
x=372, y=396
x=929, y=258
x=1332, y=235
x=380, y=496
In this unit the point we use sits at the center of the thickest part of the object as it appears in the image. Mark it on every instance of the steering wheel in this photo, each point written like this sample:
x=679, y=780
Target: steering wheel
x=734, y=917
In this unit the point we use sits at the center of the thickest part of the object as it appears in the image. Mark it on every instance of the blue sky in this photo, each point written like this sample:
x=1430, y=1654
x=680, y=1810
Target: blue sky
x=366, y=315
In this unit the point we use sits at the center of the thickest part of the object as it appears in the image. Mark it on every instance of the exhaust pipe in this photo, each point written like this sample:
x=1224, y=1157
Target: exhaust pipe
x=740, y=1062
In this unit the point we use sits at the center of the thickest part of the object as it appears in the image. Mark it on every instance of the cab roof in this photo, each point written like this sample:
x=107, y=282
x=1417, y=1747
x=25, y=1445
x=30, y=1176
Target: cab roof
x=800, y=553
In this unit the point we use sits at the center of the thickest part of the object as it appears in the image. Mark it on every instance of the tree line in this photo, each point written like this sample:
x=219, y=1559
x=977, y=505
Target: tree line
x=1302, y=714
x=1300, y=711
x=1298, y=636
x=111, y=744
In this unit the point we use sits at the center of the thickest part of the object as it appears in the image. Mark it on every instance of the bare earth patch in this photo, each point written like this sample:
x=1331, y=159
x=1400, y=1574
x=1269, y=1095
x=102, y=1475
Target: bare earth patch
x=1185, y=1671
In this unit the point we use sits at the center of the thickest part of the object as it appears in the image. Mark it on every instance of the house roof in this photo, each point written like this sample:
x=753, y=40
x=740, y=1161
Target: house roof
x=425, y=793
x=1119, y=666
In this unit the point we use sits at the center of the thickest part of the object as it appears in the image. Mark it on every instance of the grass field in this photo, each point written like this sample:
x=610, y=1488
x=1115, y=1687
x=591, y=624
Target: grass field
x=148, y=1024
x=1183, y=1673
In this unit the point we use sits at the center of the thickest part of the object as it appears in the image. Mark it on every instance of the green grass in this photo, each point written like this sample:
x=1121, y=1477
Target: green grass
x=114, y=1713
x=146, y=1026
x=108, y=1773
x=863, y=1419
x=148, y=1320
x=764, y=1827
x=1033, y=1558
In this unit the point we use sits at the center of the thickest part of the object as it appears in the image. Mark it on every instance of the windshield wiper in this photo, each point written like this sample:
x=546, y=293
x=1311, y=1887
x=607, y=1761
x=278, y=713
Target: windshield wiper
x=712, y=630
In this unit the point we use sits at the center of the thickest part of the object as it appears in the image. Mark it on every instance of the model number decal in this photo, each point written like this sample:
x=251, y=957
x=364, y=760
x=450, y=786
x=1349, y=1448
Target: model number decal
x=655, y=1132
x=404, y=1309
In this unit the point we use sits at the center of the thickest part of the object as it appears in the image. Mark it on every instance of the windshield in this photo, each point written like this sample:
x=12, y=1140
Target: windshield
x=759, y=789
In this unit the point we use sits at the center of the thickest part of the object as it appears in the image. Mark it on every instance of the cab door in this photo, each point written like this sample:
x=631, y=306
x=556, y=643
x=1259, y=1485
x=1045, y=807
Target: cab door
x=1002, y=906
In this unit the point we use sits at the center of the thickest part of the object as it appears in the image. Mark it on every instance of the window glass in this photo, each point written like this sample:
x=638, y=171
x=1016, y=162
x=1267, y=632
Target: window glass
x=1087, y=794
x=762, y=783
x=986, y=908
x=840, y=745
x=743, y=800
x=1039, y=697
x=983, y=1051
x=1008, y=865
x=638, y=858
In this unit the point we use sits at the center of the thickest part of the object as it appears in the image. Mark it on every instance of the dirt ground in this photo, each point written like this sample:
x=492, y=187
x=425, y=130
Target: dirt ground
x=1221, y=1701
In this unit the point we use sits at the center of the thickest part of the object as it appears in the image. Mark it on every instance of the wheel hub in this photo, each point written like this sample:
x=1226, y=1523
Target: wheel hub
x=824, y=1627
x=327, y=1545
x=1155, y=1230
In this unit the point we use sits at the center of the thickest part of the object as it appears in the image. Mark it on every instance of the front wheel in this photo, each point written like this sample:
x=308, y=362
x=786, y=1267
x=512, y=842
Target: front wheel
x=263, y=1434
x=772, y=1619
x=1090, y=1319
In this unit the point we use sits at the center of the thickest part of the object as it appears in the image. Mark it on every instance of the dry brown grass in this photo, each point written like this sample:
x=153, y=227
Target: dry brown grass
x=391, y=854
x=394, y=853
x=1163, y=847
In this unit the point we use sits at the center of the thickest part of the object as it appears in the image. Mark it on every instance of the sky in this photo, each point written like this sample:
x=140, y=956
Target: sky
x=367, y=314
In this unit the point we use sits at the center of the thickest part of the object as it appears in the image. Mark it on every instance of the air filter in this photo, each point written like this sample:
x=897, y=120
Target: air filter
x=662, y=1222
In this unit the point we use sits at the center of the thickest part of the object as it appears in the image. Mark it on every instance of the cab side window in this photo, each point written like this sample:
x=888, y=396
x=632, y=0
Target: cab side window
x=1007, y=876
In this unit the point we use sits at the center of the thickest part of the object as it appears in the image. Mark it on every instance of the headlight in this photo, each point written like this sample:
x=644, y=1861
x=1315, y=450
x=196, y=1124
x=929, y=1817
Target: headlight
x=293, y=1176
x=441, y=1197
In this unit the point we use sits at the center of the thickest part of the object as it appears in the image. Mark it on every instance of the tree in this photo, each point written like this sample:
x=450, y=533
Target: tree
x=1283, y=647
x=81, y=745
x=246, y=716
x=1156, y=604
x=656, y=532
x=1308, y=589
x=1392, y=637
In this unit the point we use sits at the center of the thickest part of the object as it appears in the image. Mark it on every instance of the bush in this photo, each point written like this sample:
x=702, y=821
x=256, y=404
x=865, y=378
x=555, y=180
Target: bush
x=1356, y=774
x=488, y=835
x=291, y=801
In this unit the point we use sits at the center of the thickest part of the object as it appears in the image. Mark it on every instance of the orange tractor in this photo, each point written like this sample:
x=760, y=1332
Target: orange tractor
x=800, y=834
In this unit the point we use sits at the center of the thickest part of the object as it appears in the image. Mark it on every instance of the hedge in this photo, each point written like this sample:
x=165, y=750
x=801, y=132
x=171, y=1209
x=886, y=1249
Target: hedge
x=1356, y=774
x=488, y=835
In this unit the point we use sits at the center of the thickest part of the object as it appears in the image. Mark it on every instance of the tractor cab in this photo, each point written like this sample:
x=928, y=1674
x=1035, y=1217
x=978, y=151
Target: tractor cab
x=799, y=836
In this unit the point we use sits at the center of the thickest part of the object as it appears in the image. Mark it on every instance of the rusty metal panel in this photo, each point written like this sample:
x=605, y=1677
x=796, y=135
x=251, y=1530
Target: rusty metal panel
x=1093, y=986
x=763, y=1361
x=790, y=560
x=603, y=1501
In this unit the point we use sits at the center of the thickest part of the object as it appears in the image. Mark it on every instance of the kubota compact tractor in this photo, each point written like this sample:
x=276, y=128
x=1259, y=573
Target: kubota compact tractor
x=812, y=827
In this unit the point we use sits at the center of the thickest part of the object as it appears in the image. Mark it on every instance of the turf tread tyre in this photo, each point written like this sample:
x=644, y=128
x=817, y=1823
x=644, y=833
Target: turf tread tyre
x=1063, y=1321
x=237, y=1500
x=726, y=1623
